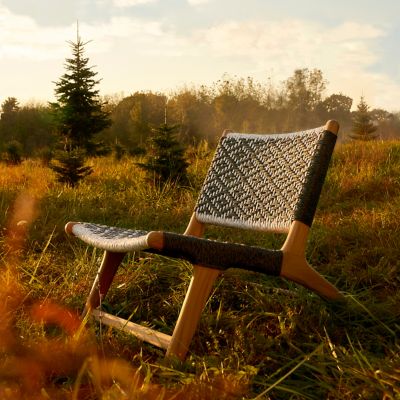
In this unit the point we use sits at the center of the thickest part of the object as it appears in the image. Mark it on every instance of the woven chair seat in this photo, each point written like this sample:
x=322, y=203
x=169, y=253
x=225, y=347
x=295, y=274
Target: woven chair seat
x=117, y=240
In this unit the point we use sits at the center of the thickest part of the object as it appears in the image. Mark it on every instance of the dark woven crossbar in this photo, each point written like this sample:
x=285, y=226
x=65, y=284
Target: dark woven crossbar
x=222, y=255
x=265, y=182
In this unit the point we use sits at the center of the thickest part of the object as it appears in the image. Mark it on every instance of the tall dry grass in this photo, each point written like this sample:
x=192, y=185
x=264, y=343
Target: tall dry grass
x=259, y=337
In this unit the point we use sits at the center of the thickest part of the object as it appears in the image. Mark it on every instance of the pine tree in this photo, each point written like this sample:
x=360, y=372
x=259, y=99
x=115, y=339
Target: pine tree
x=165, y=161
x=362, y=128
x=8, y=121
x=79, y=117
x=13, y=153
x=9, y=106
x=79, y=111
x=69, y=167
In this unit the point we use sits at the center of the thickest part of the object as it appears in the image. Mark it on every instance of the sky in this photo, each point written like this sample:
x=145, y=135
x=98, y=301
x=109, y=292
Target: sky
x=163, y=45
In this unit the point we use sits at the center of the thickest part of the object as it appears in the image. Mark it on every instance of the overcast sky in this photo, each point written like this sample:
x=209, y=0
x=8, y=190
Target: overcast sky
x=164, y=44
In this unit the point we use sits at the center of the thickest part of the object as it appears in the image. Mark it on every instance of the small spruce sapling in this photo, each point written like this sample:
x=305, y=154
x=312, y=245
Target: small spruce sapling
x=363, y=128
x=70, y=167
x=165, y=161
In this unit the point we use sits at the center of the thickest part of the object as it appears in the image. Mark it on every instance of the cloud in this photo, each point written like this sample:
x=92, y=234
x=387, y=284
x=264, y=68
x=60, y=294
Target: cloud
x=345, y=53
x=23, y=39
x=131, y=3
x=280, y=45
x=160, y=56
x=290, y=40
x=198, y=2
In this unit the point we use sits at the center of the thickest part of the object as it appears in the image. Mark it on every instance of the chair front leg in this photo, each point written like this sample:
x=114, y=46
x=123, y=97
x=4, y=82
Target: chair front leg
x=196, y=298
x=102, y=282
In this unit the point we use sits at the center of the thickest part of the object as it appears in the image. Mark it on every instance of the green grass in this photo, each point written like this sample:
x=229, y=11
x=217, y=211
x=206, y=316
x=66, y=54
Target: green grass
x=259, y=337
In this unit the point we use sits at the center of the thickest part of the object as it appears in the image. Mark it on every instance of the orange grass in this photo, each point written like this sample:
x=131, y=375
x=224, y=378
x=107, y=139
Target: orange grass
x=69, y=364
x=259, y=337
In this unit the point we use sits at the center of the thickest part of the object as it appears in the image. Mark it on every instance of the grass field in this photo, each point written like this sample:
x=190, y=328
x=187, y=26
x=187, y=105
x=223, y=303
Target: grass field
x=259, y=338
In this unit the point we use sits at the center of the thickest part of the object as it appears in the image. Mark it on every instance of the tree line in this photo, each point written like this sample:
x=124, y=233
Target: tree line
x=200, y=113
x=239, y=104
x=80, y=123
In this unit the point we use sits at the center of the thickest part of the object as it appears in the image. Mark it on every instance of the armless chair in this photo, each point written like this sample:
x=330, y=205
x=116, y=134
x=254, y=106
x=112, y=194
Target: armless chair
x=268, y=183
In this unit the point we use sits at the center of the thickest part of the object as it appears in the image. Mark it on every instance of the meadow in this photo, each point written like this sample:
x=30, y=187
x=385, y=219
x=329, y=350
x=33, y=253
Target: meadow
x=259, y=337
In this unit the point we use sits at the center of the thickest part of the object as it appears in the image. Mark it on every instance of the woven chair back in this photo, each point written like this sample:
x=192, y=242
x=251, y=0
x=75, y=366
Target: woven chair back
x=264, y=182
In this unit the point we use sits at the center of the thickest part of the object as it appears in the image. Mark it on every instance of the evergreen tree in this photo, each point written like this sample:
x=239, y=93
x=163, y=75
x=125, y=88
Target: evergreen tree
x=79, y=117
x=8, y=118
x=9, y=106
x=13, y=152
x=79, y=111
x=165, y=160
x=69, y=167
x=362, y=128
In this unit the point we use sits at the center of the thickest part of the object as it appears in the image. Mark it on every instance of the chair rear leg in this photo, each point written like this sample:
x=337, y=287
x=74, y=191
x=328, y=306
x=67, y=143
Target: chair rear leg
x=102, y=282
x=196, y=297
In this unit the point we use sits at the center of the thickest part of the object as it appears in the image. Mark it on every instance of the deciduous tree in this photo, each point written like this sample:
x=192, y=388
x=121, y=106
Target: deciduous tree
x=304, y=92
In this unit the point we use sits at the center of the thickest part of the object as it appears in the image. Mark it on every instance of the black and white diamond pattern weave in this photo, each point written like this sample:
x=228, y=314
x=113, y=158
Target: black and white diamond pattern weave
x=255, y=181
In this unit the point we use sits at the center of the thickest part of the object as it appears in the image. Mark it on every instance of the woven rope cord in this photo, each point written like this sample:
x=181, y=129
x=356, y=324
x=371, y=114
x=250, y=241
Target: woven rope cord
x=257, y=181
x=109, y=238
x=221, y=255
x=308, y=200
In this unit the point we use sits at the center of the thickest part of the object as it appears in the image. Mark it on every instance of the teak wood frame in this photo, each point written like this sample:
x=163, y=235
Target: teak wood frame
x=294, y=267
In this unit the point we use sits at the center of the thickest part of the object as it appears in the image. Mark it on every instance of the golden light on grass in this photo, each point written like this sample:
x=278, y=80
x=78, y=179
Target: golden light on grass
x=57, y=357
x=253, y=341
x=24, y=210
x=29, y=365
